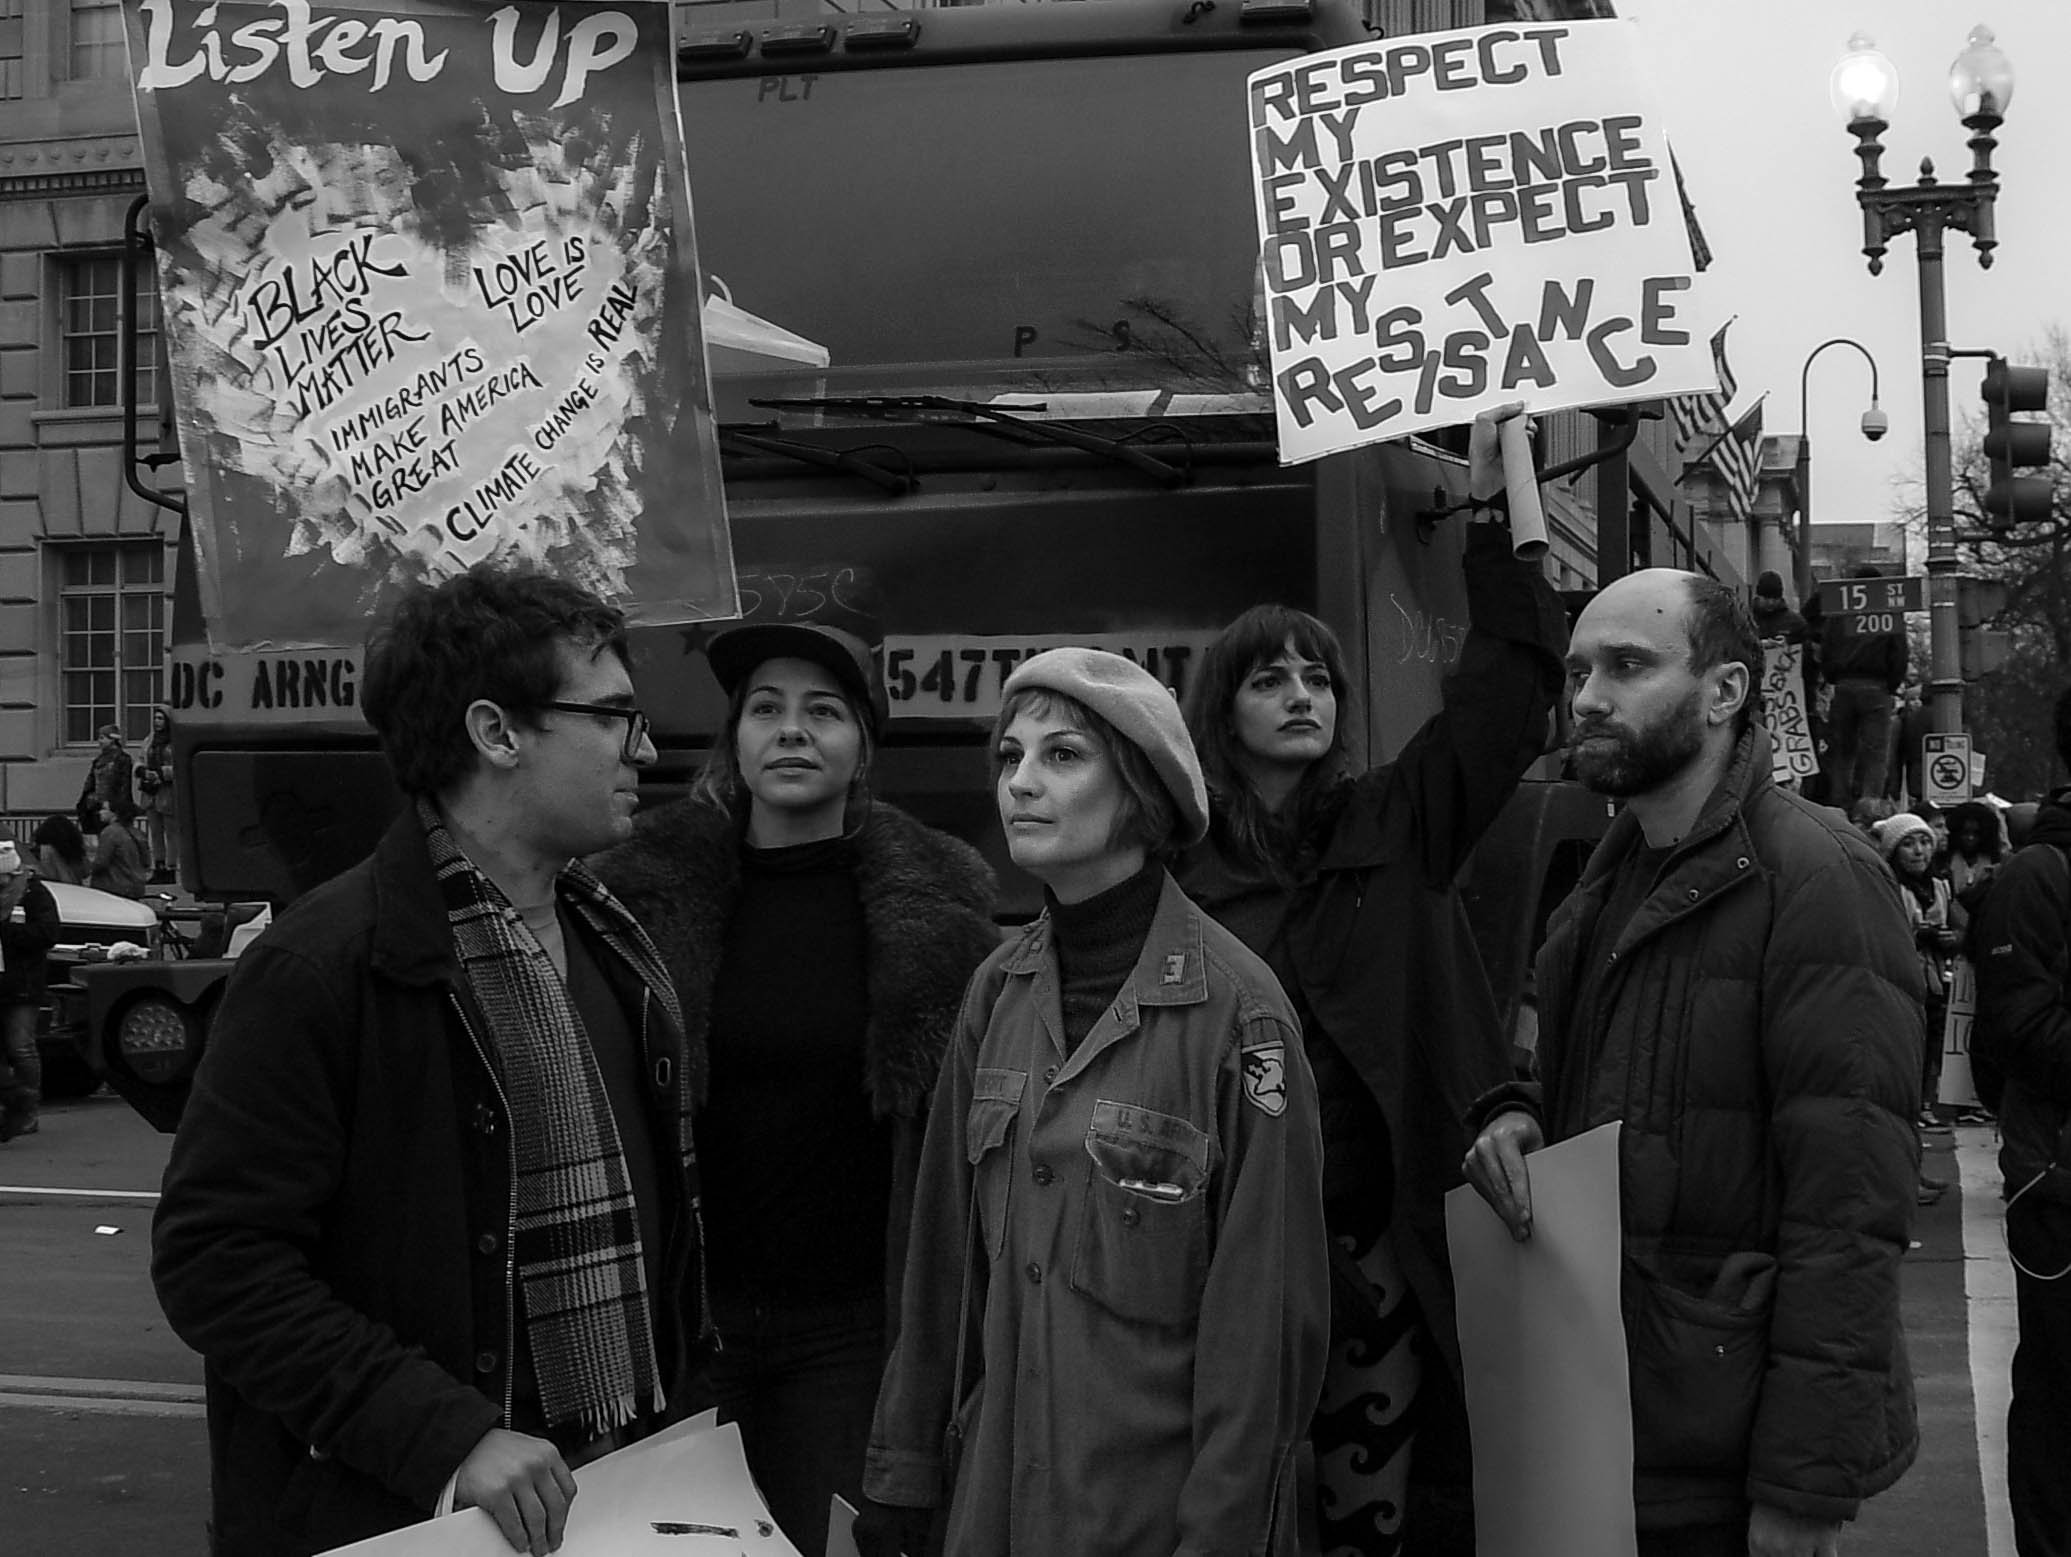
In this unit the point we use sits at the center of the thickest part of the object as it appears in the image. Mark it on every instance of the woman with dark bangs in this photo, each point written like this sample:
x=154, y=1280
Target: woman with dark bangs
x=1343, y=882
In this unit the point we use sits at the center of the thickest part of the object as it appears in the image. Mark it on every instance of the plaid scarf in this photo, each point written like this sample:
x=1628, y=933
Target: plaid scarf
x=577, y=1246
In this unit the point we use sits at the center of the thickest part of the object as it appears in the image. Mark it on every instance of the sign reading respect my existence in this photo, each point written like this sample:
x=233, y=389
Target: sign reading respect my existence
x=1454, y=220
x=431, y=297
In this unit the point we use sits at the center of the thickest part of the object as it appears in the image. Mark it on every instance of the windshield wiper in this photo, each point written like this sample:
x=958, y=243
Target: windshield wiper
x=981, y=416
x=891, y=482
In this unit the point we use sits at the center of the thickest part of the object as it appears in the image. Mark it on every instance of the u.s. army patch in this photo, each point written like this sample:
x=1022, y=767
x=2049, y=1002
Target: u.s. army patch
x=1265, y=1078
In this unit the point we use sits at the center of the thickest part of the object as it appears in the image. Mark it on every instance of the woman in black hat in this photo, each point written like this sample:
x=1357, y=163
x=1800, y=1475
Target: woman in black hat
x=820, y=941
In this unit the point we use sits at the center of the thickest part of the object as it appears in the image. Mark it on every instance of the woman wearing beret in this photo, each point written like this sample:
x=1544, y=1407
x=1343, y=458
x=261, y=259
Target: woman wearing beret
x=820, y=942
x=1117, y=1290
x=1343, y=883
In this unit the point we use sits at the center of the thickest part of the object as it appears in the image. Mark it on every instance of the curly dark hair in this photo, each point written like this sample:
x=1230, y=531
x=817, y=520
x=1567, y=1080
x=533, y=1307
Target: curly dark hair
x=62, y=835
x=1241, y=821
x=493, y=634
x=1722, y=631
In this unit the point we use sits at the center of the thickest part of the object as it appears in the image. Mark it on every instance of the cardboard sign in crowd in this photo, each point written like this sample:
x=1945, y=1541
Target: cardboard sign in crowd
x=1792, y=753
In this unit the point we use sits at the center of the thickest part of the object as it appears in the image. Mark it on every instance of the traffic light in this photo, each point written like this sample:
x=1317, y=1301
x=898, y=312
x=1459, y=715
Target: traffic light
x=1978, y=601
x=2013, y=498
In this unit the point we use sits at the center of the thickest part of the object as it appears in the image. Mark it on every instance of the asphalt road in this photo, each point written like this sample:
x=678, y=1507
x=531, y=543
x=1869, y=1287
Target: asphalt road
x=103, y=1450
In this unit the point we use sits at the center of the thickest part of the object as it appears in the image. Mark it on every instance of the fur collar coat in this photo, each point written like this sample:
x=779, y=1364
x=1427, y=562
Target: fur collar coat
x=927, y=911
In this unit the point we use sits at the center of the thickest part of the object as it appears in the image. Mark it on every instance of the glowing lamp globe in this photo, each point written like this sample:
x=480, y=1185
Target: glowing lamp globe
x=1865, y=83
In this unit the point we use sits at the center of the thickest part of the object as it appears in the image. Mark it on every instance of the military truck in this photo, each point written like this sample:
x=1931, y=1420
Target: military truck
x=985, y=335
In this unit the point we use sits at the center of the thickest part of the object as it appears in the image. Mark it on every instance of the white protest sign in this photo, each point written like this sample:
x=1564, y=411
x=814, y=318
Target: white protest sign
x=1958, y=1086
x=1542, y=1343
x=1455, y=220
x=1791, y=752
x=690, y=1480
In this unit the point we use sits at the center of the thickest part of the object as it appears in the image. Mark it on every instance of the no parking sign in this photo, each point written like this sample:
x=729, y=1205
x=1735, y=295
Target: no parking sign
x=1945, y=769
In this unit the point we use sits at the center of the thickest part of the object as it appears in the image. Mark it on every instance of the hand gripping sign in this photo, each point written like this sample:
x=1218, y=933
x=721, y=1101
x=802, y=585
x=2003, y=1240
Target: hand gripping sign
x=1453, y=220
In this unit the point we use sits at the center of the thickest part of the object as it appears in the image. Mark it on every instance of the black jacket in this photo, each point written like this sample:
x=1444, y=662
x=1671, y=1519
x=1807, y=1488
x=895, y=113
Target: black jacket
x=1851, y=656
x=927, y=904
x=1758, y=1032
x=1376, y=936
x=1775, y=619
x=2023, y=1025
x=25, y=943
x=334, y=1231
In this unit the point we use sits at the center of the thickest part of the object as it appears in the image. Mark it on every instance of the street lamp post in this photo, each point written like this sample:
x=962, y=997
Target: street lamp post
x=1865, y=88
x=1874, y=425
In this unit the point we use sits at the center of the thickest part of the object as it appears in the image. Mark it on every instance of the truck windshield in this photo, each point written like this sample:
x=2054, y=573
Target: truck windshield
x=1064, y=227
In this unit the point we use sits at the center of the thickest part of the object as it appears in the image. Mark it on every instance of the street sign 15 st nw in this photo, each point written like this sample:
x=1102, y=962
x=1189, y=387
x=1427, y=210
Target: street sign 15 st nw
x=1872, y=605
x=1874, y=594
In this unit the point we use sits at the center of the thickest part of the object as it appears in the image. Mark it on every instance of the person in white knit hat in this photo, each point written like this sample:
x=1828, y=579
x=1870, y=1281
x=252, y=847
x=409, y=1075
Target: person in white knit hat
x=1907, y=843
x=1121, y=1197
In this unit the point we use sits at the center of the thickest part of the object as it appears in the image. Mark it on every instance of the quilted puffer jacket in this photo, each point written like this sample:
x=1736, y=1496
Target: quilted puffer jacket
x=1759, y=1033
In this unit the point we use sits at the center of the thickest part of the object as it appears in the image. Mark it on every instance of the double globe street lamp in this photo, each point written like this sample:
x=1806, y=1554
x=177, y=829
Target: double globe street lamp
x=1865, y=90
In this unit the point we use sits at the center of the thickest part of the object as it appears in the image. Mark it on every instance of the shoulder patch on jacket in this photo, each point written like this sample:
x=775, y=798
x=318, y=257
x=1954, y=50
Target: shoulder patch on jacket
x=1265, y=1077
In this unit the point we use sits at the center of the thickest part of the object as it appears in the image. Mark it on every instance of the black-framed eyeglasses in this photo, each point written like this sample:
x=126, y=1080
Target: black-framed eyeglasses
x=637, y=724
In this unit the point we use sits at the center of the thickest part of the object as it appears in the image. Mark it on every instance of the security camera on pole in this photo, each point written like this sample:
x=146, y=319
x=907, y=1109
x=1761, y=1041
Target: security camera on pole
x=1865, y=89
x=1875, y=424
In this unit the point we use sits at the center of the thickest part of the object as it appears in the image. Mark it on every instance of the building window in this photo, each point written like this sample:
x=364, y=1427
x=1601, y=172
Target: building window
x=10, y=50
x=111, y=600
x=91, y=325
x=98, y=50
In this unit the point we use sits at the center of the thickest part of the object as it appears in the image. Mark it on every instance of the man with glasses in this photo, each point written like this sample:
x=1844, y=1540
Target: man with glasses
x=430, y=1218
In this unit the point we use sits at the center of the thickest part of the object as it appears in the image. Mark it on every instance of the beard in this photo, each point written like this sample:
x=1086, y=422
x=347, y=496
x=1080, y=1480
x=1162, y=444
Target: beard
x=1632, y=762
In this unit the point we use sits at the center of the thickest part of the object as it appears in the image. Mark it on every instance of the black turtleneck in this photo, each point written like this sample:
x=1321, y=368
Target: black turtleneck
x=1098, y=941
x=796, y=1171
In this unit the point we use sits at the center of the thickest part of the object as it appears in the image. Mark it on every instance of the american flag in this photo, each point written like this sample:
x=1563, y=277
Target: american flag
x=1703, y=414
x=1737, y=457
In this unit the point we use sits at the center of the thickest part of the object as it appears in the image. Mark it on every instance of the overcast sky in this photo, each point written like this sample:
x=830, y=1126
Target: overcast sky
x=1771, y=170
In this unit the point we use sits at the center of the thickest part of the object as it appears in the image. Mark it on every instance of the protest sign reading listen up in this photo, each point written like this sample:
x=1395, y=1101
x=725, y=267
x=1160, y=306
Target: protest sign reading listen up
x=1454, y=220
x=431, y=297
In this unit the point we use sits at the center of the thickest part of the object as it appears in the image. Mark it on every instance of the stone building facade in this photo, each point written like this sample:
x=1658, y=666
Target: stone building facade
x=84, y=562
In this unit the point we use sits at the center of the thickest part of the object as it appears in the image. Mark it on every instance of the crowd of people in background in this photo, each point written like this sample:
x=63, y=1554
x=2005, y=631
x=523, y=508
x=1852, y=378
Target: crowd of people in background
x=122, y=835
x=1868, y=719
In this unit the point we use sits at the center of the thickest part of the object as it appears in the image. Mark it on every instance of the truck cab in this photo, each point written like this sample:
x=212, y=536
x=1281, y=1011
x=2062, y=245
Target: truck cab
x=983, y=315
